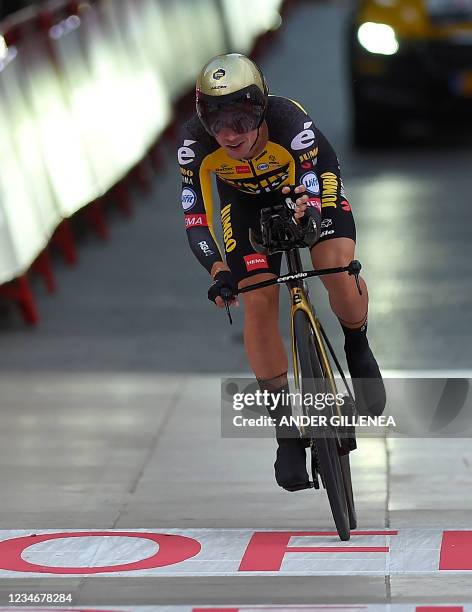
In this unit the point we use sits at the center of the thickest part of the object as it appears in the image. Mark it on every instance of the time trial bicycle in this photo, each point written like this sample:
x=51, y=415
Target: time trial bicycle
x=312, y=354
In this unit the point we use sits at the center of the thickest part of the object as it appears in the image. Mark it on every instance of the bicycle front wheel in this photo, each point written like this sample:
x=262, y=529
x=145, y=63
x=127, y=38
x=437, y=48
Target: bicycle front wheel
x=313, y=381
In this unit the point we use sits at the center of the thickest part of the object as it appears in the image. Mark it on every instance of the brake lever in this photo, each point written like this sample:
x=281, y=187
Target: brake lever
x=226, y=297
x=228, y=312
x=354, y=269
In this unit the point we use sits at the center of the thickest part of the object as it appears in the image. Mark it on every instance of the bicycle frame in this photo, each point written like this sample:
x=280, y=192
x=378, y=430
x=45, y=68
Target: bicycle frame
x=326, y=461
x=294, y=280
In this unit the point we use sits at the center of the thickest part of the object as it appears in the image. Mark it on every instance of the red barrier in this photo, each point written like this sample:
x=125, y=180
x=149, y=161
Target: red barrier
x=19, y=291
x=43, y=266
x=35, y=28
x=64, y=240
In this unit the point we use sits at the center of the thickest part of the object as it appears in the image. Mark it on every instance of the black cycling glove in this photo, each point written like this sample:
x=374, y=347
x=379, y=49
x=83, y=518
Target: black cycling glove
x=222, y=280
x=311, y=229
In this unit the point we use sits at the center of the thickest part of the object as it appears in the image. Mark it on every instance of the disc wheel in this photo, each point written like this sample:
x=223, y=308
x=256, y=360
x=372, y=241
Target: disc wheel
x=329, y=461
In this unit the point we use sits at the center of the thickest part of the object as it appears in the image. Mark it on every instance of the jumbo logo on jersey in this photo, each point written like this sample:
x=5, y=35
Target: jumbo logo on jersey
x=269, y=181
x=304, y=139
x=230, y=242
x=187, y=176
x=309, y=156
x=189, y=197
x=310, y=180
x=330, y=189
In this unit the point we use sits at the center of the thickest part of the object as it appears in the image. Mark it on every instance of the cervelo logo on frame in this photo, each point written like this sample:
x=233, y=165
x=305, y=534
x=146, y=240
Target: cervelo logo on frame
x=195, y=221
x=185, y=154
x=304, y=139
x=255, y=262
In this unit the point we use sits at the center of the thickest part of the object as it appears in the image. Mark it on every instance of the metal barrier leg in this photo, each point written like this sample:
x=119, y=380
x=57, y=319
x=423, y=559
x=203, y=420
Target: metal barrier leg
x=141, y=176
x=155, y=158
x=43, y=265
x=20, y=292
x=64, y=240
x=121, y=194
x=96, y=216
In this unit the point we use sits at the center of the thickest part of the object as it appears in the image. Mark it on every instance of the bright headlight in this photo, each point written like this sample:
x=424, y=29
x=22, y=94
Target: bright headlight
x=378, y=38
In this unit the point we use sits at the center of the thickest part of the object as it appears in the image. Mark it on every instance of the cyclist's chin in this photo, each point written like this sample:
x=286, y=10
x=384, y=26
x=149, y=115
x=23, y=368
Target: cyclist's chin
x=238, y=152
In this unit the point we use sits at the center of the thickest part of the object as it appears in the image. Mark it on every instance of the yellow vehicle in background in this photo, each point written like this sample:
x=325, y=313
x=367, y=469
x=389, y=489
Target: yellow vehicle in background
x=408, y=59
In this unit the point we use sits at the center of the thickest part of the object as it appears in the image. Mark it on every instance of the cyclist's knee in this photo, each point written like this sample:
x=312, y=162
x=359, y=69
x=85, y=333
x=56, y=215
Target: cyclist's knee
x=261, y=304
x=333, y=253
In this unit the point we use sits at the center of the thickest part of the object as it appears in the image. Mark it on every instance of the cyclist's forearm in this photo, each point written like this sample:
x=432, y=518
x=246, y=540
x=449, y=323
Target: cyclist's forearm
x=204, y=247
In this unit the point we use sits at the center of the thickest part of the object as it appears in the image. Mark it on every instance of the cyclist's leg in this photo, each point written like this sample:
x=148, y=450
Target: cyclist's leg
x=268, y=359
x=346, y=303
x=336, y=248
x=262, y=339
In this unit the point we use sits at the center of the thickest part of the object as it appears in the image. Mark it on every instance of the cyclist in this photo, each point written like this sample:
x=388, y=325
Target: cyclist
x=260, y=146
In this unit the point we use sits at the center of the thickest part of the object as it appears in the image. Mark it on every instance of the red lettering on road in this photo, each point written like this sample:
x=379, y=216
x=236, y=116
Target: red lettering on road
x=216, y=609
x=456, y=551
x=290, y=607
x=172, y=549
x=266, y=549
x=439, y=609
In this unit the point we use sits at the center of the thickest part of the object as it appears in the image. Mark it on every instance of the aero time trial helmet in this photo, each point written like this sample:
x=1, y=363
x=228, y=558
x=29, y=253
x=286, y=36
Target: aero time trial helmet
x=231, y=91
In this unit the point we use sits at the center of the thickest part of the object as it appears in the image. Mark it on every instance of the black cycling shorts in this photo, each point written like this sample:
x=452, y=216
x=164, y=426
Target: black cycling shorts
x=240, y=211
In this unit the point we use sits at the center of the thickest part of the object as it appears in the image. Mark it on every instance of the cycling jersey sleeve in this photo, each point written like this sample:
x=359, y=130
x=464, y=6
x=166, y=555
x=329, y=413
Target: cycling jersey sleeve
x=301, y=140
x=197, y=201
x=316, y=164
x=329, y=175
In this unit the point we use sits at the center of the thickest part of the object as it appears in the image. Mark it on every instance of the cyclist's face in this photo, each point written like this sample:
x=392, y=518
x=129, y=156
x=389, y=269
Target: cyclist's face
x=236, y=145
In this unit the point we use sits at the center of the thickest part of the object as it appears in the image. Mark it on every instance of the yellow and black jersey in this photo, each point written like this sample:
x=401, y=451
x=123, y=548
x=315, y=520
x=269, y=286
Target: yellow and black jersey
x=296, y=154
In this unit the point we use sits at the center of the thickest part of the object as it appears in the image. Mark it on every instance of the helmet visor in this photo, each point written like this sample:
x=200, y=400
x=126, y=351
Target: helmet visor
x=241, y=117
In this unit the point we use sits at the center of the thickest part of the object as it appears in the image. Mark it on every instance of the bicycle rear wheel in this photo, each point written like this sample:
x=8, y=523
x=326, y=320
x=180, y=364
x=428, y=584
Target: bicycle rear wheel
x=329, y=461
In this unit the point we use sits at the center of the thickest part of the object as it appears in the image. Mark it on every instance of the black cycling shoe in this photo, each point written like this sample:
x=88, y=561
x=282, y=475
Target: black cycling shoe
x=367, y=380
x=290, y=465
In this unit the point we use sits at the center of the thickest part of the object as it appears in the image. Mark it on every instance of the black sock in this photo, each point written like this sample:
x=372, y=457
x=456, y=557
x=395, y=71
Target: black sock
x=279, y=385
x=355, y=340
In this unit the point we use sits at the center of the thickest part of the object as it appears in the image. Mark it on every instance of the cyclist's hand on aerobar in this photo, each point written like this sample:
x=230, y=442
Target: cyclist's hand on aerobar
x=223, y=282
x=300, y=203
x=310, y=225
